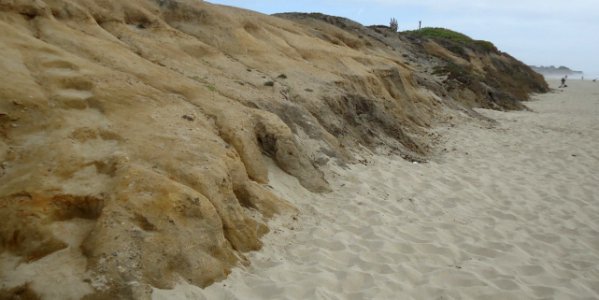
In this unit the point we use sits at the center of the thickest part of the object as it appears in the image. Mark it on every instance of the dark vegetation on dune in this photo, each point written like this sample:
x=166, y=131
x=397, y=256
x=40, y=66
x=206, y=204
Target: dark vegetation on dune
x=498, y=80
x=476, y=73
x=452, y=38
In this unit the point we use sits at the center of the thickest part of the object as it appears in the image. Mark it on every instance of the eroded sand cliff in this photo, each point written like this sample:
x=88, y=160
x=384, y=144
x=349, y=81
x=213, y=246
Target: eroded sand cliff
x=133, y=134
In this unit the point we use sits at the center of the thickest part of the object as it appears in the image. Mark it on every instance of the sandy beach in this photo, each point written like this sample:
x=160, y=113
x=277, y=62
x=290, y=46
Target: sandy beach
x=506, y=210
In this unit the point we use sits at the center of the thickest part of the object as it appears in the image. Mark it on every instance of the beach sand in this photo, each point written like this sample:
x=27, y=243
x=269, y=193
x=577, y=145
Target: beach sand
x=508, y=211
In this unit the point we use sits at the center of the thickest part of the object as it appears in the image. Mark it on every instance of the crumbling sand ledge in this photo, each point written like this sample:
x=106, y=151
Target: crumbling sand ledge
x=509, y=210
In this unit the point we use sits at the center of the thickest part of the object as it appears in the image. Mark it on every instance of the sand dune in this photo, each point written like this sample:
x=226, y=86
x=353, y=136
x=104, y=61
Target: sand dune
x=506, y=210
x=135, y=138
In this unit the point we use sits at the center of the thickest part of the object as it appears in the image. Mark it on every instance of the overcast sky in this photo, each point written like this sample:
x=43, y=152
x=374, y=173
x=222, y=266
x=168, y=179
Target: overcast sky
x=539, y=32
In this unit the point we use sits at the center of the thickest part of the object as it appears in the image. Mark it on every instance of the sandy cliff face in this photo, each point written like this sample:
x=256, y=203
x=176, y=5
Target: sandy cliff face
x=477, y=73
x=133, y=134
x=469, y=72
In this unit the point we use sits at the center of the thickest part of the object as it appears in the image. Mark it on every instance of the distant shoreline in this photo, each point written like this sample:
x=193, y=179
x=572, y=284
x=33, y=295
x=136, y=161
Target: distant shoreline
x=552, y=72
x=571, y=76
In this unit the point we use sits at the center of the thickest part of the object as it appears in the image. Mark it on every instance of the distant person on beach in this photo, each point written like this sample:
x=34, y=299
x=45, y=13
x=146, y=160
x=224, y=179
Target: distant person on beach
x=563, y=82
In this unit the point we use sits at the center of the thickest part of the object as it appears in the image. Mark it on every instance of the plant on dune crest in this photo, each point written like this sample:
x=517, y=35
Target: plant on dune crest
x=441, y=33
x=393, y=24
x=453, y=36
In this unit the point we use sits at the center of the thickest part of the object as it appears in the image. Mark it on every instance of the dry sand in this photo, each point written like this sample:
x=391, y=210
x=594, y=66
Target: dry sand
x=509, y=211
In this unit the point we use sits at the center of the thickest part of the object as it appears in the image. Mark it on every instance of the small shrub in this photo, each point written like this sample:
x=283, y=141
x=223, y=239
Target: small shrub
x=393, y=25
x=210, y=87
x=269, y=83
x=463, y=74
x=457, y=49
x=486, y=46
x=282, y=76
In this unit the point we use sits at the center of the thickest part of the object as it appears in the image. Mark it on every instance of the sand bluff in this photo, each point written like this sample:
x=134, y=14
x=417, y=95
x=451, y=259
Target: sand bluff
x=135, y=136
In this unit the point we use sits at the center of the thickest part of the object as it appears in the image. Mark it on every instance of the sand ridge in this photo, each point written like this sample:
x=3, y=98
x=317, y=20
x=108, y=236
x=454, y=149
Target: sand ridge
x=509, y=210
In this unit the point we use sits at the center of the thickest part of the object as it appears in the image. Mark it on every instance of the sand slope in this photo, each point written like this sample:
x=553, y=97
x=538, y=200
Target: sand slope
x=510, y=210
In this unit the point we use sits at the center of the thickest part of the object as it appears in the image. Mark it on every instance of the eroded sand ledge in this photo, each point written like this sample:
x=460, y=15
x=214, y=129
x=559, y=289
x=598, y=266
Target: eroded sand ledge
x=509, y=211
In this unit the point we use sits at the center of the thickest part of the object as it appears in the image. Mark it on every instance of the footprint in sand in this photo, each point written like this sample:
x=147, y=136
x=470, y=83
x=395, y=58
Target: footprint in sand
x=506, y=284
x=530, y=270
x=67, y=86
x=543, y=291
x=481, y=251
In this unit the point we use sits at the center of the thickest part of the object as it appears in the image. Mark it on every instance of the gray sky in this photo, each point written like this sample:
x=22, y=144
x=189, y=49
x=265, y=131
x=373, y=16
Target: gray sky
x=539, y=32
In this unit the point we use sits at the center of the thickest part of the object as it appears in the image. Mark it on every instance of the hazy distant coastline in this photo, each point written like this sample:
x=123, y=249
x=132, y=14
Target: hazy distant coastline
x=552, y=71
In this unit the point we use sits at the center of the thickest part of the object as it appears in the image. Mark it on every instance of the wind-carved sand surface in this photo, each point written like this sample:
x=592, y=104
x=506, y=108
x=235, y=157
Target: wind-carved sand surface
x=510, y=210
